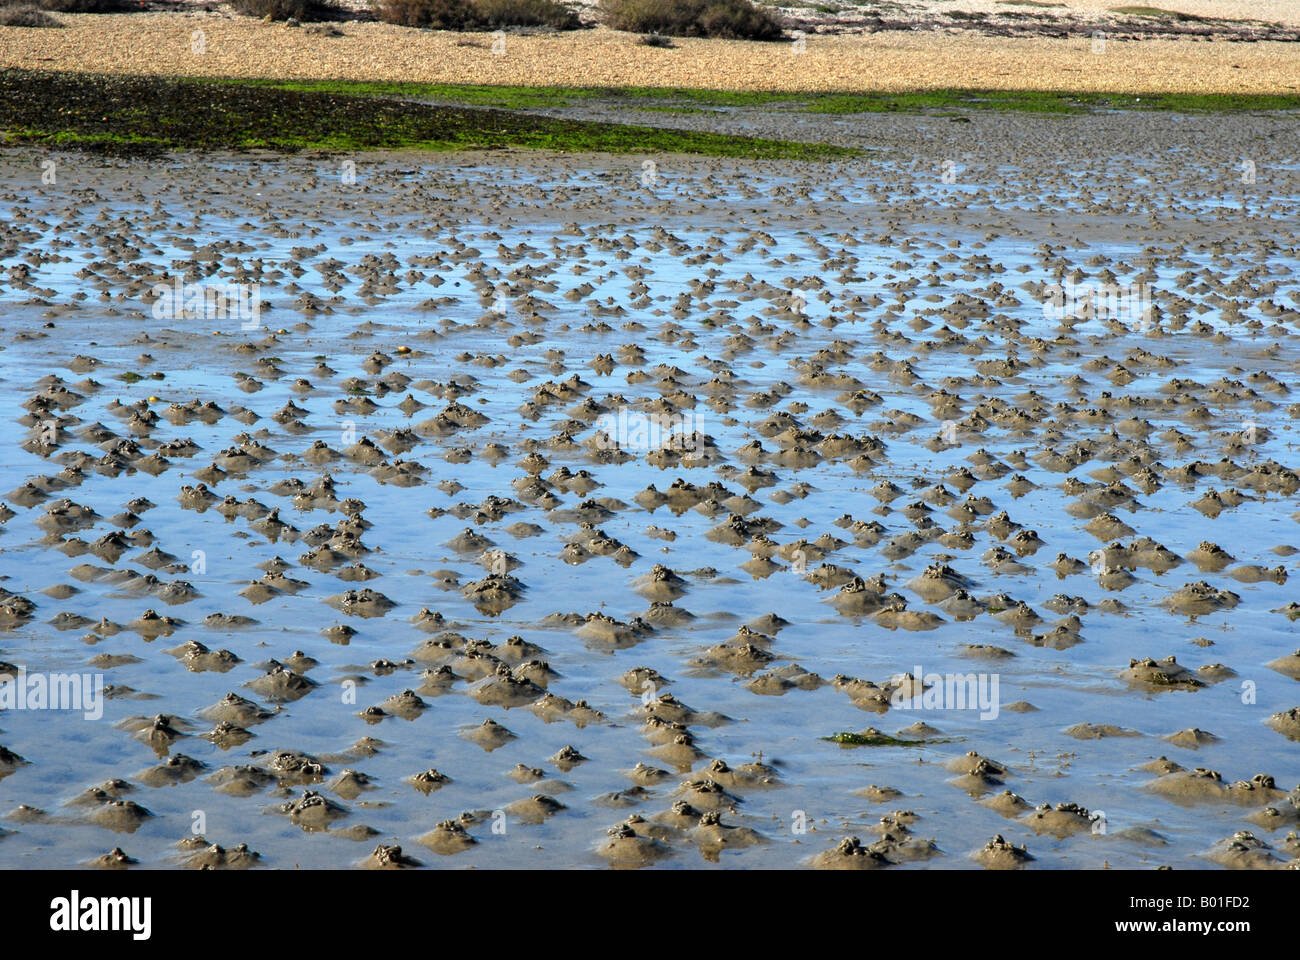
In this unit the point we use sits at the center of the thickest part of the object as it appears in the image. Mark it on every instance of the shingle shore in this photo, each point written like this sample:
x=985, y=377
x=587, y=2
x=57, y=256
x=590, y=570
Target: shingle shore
x=163, y=43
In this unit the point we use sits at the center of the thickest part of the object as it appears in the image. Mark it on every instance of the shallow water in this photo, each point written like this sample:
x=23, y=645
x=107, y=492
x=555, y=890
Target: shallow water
x=879, y=229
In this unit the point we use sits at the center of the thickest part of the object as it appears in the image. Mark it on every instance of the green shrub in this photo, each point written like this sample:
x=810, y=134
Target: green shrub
x=304, y=11
x=433, y=14
x=477, y=14
x=724, y=19
x=738, y=20
x=527, y=13
x=88, y=6
x=26, y=15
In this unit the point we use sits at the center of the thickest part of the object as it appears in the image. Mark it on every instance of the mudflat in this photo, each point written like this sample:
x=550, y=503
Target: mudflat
x=932, y=506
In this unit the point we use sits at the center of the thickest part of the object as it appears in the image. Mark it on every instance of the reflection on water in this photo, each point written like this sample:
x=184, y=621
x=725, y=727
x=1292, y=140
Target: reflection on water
x=504, y=276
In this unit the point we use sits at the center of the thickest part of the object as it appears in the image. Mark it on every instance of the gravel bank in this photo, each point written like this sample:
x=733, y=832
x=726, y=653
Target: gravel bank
x=160, y=43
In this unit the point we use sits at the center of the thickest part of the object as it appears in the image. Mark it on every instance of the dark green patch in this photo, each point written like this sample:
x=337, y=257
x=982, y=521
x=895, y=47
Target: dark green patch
x=920, y=101
x=515, y=97
x=874, y=738
x=152, y=114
